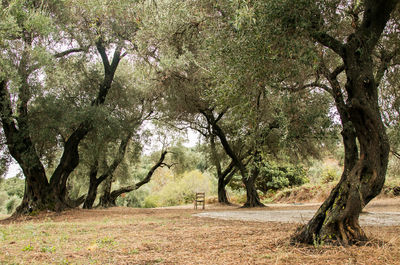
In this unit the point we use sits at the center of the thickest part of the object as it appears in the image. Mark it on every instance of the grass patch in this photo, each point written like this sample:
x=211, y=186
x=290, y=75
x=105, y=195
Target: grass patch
x=144, y=236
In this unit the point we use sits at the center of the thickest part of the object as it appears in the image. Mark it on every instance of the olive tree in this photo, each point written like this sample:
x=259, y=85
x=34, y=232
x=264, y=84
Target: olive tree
x=41, y=38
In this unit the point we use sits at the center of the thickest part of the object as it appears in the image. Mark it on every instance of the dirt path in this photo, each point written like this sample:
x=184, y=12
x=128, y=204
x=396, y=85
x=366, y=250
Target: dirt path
x=300, y=216
x=379, y=213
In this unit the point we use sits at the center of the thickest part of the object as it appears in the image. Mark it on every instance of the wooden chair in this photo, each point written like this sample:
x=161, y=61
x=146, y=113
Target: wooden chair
x=200, y=199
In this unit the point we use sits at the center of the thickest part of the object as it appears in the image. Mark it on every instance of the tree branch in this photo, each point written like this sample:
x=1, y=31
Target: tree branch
x=151, y=171
x=385, y=59
x=376, y=15
x=68, y=52
x=330, y=42
x=117, y=159
x=136, y=186
x=102, y=51
x=337, y=71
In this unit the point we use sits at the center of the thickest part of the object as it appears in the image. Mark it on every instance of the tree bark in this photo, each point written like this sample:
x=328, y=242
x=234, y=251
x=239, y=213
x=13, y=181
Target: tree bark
x=105, y=199
x=222, y=197
x=39, y=193
x=225, y=176
x=365, y=169
x=252, y=198
x=93, y=185
x=223, y=180
x=252, y=195
x=70, y=157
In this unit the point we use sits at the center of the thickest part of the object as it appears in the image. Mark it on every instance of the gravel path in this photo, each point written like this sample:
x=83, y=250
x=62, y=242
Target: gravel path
x=299, y=216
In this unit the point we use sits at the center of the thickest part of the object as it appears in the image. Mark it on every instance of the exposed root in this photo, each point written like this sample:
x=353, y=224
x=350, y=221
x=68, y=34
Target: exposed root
x=253, y=205
x=343, y=236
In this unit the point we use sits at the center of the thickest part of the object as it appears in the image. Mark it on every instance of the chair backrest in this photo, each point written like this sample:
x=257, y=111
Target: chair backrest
x=200, y=198
x=200, y=195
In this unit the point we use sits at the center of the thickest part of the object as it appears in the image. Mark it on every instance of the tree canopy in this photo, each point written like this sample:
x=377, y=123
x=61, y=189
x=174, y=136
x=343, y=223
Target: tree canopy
x=263, y=82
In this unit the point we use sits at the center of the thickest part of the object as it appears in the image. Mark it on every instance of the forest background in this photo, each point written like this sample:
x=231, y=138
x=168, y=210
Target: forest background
x=277, y=91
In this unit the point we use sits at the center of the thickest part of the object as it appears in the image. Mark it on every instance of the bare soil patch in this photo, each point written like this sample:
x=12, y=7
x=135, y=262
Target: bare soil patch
x=385, y=212
x=174, y=236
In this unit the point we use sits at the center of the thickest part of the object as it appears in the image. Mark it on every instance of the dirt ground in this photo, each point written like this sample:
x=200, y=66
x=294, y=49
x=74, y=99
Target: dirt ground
x=380, y=213
x=175, y=236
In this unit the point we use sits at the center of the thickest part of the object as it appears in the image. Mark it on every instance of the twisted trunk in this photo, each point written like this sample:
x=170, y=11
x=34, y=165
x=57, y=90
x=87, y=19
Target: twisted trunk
x=93, y=185
x=223, y=181
x=365, y=169
x=70, y=157
x=40, y=194
x=224, y=177
x=252, y=198
x=105, y=199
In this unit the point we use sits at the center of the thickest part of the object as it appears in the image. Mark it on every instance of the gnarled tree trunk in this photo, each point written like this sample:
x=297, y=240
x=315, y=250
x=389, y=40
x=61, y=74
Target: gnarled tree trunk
x=223, y=181
x=252, y=198
x=93, y=185
x=39, y=193
x=251, y=192
x=224, y=177
x=105, y=199
x=365, y=169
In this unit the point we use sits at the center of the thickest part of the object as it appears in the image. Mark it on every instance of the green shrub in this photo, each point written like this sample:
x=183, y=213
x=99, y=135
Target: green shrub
x=134, y=198
x=3, y=198
x=181, y=190
x=14, y=186
x=151, y=201
x=329, y=174
x=275, y=177
x=12, y=203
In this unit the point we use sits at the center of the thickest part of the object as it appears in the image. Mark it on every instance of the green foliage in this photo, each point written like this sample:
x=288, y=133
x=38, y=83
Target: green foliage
x=11, y=193
x=48, y=249
x=181, y=190
x=151, y=201
x=3, y=198
x=13, y=186
x=134, y=199
x=12, y=203
x=239, y=58
x=393, y=174
x=275, y=177
x=330, y=174
x=105, y=241
x=28, y=248
x=324, y=171
x=186, y=159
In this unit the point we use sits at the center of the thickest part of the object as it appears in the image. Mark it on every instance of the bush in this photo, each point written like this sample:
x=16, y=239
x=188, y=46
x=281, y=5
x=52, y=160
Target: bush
x=181, y=190
x=12, y=203
x=275, y=177
x=329, y=174
x=3, y=198
x=151, y=201
x=14, y=186
x=133, y=199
